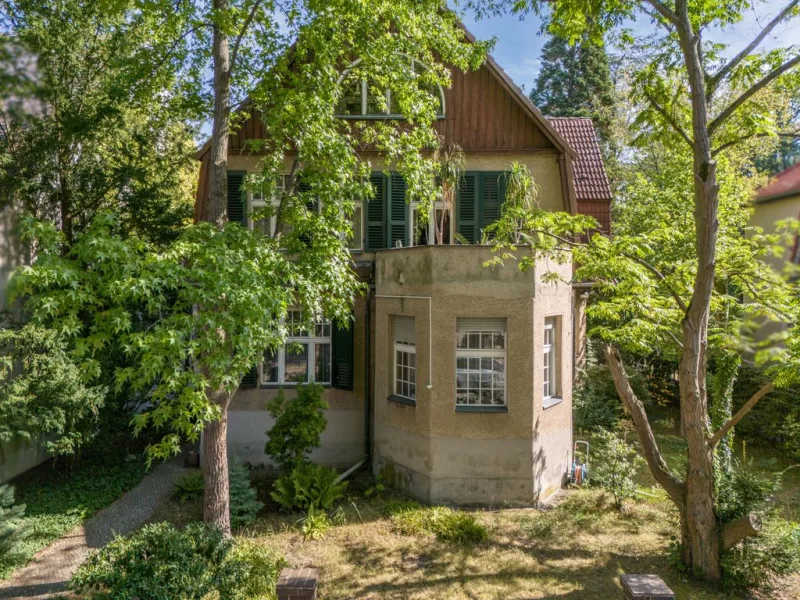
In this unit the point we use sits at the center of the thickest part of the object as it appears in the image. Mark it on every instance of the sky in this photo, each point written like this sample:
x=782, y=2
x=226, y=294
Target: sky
x=519, y=43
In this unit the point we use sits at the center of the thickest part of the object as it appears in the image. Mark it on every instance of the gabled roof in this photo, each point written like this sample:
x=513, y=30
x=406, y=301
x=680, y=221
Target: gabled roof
x=785, y=183
x=591, y=181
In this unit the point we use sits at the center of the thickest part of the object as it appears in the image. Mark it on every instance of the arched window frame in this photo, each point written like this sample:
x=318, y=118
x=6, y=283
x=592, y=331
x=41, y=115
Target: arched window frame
x=365, y=95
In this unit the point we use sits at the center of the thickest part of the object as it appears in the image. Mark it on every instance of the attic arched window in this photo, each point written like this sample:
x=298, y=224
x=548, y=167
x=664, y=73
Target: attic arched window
x=358, y=101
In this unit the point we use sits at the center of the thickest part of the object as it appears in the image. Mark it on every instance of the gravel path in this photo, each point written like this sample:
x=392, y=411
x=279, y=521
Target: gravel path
x=47, y=575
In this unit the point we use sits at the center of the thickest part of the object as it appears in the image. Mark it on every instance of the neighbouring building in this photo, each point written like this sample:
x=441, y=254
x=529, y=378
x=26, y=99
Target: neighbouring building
x=456, y=379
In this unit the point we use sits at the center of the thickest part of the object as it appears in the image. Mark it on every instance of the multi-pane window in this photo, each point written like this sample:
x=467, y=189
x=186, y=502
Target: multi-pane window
x=481, y=362
x=405, y=358
x=425, y=233
x=305, y=357
x=550, y=358
x=258, y=201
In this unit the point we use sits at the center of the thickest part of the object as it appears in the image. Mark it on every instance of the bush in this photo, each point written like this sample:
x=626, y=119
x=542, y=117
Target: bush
x=244, y=503
x=161, y=563
x=315, y=524
x=755, y=562
x=614, y=466
x=11, y=529
x=299, y=424
x=308, y=486
x=446, y=524
x=742, y=492
x=596, y=404
x=189, y=487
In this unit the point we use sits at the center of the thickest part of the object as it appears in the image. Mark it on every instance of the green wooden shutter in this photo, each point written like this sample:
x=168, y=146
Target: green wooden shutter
x=491, y=195
x=250, y=380
x=398, y=211
x=342, y=357
x=376, y=214
x=237, y=197
x=467, y=207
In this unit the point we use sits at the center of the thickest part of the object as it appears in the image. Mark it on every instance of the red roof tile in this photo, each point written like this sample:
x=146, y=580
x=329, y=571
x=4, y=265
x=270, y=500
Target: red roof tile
x=785, y=183
x=591, y=182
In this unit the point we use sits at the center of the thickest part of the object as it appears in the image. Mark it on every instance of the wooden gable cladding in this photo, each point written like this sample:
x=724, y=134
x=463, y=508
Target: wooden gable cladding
x=480, y=114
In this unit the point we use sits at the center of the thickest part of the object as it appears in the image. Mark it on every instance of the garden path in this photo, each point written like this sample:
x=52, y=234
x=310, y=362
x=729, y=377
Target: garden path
x=47, y=575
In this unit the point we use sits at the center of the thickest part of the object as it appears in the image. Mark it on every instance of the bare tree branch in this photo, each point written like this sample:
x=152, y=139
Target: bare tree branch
x=731, y=423
x=669, y=119
x=715, y=79
x=664, y=11
x=753, y=89
x=658, y=466
x=735, y=531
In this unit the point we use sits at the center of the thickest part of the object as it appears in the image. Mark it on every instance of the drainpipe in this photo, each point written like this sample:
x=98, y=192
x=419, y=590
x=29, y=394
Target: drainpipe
x=368, y=373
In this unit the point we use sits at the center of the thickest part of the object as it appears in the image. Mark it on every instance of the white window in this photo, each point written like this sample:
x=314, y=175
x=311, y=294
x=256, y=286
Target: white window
x=355, y=239
x=481, y=362
x=551, y=375
x=258, y=201
x=305, y=357
x=423, y=234
x=405, y=358
x=359, y=100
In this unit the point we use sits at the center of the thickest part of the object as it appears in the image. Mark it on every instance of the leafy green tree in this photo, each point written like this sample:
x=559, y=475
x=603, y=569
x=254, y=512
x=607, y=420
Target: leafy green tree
x=298, y=426
x=43, y=393
x=615, y=465
x=699, y=99
x=92, y=117
x=575, y=81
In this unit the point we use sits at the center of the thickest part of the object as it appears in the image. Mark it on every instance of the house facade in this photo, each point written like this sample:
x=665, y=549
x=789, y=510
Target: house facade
x=455, y=380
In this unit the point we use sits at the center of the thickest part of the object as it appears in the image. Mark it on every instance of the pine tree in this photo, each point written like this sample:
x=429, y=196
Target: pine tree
x=244, y=503
x=10, y=515
x=575, y=81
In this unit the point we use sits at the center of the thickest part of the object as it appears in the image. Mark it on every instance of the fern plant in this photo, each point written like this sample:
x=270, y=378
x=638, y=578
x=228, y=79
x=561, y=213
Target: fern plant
x=189, y=487
x=308, y=486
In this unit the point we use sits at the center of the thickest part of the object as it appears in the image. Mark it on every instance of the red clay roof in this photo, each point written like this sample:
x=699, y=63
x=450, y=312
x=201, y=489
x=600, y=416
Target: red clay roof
x=785, y=183
x=591, y=182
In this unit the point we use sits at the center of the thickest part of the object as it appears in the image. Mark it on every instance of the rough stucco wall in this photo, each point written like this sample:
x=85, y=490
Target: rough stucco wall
x=463, y=457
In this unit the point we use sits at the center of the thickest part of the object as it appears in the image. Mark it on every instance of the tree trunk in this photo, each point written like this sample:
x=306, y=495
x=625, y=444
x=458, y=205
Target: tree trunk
x=216, y=499
x=216, y=508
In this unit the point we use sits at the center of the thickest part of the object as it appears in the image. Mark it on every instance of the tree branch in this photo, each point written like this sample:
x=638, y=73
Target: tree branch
x=664, y=11
x=733, y=142
x=756, y=87
x=715, y=79
x=251, y=15
x=714, y=440
x=735, y=531
x=658, y=466
x=678, y=300
x=669, y=119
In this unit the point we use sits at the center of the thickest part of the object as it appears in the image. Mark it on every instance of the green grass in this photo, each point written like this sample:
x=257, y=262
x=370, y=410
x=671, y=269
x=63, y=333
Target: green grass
x=58, y=500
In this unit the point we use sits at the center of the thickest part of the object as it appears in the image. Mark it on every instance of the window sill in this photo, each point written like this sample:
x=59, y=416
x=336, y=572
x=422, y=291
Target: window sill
x=550, y=402
x=402, y=400
x=290, y=385
x=476, y=408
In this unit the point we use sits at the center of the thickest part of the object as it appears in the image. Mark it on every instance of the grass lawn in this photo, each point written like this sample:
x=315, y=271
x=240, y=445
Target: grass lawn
x=577, y=549
x=57, y=500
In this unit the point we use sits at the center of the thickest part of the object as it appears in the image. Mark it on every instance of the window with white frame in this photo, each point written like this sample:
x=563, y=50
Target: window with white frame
x=551, y=375
x=405, y=358
x=305, y=357
x=480, y=362
x=258, y=201
x=359, y=100
x=422, y=234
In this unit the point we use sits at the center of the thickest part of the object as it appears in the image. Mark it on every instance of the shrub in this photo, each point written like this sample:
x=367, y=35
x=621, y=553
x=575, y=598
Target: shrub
x=315, y=524
x=755, y=562
x=614, y=466
x=189, y=487
x=742, y=491
x=446, y=524
x=299, y=424
x=161, y=563
x=11, y=529
x=308, y=486
x=244, y=503
x=596, y=404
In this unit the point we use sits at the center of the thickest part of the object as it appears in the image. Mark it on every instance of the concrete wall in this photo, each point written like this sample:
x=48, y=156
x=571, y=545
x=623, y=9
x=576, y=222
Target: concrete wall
x=435, y=451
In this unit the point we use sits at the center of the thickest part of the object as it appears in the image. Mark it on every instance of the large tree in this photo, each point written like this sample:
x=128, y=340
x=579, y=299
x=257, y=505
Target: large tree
x=575, y=81
x=708, y=99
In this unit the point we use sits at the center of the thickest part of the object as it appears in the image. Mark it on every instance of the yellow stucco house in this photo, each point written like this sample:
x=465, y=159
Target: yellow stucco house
x=455, y=381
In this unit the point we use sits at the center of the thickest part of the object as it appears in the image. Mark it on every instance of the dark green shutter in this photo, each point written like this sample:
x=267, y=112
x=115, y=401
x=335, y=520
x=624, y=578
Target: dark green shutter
x=467, y=207
x=236, y=198
x=398, y=211
x=376, y=216
x=491, y=195
x=250, y=380
x=342, y=357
